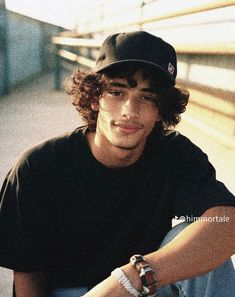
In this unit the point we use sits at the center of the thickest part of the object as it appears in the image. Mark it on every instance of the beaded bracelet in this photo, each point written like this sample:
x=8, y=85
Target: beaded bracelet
x=123, y=280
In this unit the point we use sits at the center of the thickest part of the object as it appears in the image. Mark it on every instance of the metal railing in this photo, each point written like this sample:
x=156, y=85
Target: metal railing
x=69, y=49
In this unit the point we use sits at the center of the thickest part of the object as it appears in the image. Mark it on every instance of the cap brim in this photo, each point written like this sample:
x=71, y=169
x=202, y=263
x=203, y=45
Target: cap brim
x=154, y=66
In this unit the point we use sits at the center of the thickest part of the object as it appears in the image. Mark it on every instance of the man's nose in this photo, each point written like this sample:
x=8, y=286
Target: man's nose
x=130, y=108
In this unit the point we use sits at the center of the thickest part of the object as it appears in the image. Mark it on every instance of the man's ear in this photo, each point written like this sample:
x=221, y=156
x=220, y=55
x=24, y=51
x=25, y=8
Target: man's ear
x=95, y=106
x=159, y=118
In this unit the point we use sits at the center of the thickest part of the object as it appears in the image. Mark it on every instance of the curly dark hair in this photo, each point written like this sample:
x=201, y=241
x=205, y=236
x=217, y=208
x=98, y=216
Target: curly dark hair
x=86, y=87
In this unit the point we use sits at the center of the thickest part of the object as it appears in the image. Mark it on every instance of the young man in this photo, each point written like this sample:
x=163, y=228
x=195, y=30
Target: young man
x=76, y=208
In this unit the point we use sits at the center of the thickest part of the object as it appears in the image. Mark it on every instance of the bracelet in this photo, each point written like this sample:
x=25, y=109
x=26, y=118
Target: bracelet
x=147, y=275
x=123, y=280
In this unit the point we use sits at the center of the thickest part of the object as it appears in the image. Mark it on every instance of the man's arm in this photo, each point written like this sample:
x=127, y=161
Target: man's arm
x=30, y=285
x=199, y=248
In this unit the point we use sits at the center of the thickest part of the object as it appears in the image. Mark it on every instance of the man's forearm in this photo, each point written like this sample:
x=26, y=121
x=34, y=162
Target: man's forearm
x=30, y=285
x=199, y=248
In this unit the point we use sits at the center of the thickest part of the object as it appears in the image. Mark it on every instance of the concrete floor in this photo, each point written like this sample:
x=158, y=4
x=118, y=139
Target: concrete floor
x=35, y=112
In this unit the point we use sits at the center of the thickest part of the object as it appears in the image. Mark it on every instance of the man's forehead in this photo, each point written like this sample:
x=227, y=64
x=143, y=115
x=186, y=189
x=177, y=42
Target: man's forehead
x=132, y=81
x=145, y=87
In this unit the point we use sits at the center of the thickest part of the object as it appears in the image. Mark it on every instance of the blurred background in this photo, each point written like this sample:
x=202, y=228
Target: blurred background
x=42, y=42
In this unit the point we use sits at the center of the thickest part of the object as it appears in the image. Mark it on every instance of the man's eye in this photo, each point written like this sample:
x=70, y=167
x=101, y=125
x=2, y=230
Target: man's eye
x=149, y=98
x=115, y=93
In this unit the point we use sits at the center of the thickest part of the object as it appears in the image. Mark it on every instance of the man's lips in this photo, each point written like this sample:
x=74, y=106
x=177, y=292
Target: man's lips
x=128, y=127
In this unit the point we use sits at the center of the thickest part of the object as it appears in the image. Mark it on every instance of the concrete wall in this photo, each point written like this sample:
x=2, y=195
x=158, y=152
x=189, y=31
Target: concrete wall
x=25, y=49
x=3, y=51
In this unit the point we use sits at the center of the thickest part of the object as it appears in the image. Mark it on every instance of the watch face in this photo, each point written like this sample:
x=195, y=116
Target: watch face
x=147, y=276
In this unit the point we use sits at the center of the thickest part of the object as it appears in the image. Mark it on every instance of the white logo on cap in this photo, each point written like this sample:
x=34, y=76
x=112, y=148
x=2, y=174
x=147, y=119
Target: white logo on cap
x=171, y=68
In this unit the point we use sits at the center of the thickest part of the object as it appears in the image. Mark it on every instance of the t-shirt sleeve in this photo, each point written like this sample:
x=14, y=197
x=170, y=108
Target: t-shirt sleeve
x=17, y=239
x=197, y=188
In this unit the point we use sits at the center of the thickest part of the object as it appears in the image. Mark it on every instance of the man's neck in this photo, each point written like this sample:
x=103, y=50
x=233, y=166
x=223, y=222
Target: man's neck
x=113, y=157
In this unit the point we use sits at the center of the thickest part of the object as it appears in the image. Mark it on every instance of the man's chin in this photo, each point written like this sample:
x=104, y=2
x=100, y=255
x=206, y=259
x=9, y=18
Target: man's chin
x=126, y=145
x=127, y=142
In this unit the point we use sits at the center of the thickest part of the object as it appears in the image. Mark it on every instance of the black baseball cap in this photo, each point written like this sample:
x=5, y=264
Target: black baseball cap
x=138, y=47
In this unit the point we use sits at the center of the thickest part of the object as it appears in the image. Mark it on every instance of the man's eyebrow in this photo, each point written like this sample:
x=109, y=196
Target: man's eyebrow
x=118, y=84
x=123, y=85
x=149, y=90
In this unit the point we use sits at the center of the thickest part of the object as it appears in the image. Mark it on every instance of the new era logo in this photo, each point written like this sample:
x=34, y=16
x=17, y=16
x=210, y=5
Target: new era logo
x=171, y=68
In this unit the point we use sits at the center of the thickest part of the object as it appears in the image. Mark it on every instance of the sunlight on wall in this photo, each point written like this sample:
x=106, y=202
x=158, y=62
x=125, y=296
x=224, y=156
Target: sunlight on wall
x=216, y=77
x=205, y=27
x=221, y=78
x=60, y=13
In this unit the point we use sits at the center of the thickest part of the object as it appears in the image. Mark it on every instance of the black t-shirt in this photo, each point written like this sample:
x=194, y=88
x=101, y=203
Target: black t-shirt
x=67, y=215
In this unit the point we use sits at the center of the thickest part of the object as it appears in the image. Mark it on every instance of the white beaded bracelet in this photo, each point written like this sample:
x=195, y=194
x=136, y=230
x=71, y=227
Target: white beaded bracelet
x=122, y=279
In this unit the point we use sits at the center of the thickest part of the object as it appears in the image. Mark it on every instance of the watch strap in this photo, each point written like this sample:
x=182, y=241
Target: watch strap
x=147, y=275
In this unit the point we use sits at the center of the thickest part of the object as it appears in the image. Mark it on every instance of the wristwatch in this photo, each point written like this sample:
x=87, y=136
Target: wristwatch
x=147, y=275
